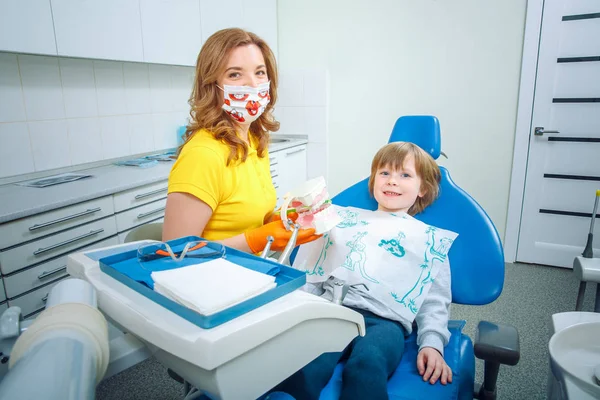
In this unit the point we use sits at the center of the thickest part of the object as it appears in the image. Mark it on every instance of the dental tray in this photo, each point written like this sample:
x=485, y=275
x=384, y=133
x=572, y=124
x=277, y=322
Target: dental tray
x=287, y=280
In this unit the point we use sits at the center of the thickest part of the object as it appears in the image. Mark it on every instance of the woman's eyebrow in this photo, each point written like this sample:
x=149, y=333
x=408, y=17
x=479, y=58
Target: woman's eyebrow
x=261, y=66
x=234, y=68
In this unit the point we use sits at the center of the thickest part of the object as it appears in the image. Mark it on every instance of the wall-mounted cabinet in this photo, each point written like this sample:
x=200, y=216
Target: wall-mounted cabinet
x=26, y=27
x=108, y=29
x=152, y=31
x=258, y=16
x=171, y=31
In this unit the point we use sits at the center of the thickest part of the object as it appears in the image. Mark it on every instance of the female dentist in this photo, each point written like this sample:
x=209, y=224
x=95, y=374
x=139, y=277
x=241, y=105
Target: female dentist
x=220, y=187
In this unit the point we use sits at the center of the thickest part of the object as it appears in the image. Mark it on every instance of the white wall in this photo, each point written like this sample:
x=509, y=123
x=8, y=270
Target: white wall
x=301, y=109
x=458, y=60
x=58, y=112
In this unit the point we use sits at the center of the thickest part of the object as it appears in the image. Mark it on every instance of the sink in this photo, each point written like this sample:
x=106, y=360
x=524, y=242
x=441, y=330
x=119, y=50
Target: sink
x=575, y=356
x=279, y=140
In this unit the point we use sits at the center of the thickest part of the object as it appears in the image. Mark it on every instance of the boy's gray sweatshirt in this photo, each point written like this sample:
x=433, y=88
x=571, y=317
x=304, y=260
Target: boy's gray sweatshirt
x=432, y=317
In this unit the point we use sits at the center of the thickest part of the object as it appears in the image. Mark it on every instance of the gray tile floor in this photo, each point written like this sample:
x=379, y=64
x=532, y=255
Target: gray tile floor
x=531, y=295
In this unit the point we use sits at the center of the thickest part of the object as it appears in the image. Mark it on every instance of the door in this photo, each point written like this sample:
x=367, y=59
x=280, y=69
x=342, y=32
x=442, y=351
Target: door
x=563, y=167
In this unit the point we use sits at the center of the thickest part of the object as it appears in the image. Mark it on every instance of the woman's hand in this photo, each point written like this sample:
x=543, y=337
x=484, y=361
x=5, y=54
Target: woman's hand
x=432, y=366
x=257, y=238
x=276, y=216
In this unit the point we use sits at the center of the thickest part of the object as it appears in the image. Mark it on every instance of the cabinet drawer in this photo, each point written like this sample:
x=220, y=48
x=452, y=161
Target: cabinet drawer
x=33, y=301
x=140, y=215
x=36, y=226
x=52, y=246
x=140, y=195
x=2, y=294
x=41, y=274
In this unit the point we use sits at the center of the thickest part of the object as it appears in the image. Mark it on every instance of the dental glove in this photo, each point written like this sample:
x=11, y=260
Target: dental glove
x=257, y=238
x=277, y=215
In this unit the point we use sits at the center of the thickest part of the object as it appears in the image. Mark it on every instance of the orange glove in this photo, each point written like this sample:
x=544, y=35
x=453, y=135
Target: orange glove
x=277, y=216
x=257, y=238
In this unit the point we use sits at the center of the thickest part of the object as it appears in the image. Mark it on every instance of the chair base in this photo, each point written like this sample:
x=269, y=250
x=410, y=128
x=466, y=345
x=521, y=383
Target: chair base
x=587, y=270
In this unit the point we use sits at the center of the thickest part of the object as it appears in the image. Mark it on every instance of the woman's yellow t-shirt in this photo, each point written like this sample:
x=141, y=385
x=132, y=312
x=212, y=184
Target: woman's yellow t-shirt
x=241, y=195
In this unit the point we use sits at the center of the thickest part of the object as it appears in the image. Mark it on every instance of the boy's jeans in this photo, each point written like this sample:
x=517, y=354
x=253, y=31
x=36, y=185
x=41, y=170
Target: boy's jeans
x=370, y=361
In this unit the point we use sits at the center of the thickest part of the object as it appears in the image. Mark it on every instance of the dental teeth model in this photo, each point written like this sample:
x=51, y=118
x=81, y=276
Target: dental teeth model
x=311, y=201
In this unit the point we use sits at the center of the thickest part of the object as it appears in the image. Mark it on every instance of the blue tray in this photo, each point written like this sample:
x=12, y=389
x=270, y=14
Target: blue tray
x=287, y=280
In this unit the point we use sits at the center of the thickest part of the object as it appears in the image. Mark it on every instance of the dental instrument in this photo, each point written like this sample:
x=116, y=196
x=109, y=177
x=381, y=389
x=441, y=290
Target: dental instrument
x=265, y=252
x=284, y=259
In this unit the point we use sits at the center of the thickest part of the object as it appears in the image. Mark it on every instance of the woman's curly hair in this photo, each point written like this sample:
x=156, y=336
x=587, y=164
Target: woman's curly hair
x=206, y=98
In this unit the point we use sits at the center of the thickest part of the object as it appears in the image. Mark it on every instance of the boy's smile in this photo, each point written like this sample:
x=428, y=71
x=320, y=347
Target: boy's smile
x=397, y=190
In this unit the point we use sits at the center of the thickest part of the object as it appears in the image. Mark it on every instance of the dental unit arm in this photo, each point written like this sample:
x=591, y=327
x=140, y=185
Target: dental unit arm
x=239, y=359
x=63, y=353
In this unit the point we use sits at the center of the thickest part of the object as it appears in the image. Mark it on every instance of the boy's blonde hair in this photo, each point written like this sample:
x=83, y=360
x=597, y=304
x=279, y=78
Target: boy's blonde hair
x=393, y=155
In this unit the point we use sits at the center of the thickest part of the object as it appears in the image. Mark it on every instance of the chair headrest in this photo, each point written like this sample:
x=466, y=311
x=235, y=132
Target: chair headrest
x=422, y=130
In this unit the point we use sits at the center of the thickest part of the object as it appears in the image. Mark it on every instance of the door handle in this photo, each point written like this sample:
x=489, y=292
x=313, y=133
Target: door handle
x=539, y=131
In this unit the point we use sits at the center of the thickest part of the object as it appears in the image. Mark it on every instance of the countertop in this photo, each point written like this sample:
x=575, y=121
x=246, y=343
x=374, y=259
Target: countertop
x=21, y=201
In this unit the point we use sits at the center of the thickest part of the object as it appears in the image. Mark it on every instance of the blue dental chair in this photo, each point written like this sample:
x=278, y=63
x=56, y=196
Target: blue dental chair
x=477, y=266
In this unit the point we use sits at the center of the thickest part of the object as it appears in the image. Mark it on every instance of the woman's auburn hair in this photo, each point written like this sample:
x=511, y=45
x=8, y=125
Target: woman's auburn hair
x=393, y=155
x=206, y=99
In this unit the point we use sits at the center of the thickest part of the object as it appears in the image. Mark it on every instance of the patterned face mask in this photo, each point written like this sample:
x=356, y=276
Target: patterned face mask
x=244, y=103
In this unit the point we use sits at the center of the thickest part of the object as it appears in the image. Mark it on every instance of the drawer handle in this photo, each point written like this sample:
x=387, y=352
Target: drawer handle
x=63, y=219
x=45, y=299
x=273, y=171
x=277, y=187
x=66, y=242
x=275, y=162
x=144, y=215
x=274, y=176
x=295, y=151
x=141, y=196
x=46, y=274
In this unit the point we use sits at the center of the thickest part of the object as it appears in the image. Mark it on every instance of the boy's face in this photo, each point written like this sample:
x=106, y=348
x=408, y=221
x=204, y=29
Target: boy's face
x=397, y=190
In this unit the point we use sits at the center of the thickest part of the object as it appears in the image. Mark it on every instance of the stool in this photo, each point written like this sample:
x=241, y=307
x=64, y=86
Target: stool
x=587, y=270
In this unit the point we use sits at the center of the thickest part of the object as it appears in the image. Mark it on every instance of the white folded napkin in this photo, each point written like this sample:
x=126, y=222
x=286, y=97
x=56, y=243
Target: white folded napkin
x=211, y=286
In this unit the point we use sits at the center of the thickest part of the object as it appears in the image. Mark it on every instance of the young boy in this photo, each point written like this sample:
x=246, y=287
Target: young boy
x=397, y=271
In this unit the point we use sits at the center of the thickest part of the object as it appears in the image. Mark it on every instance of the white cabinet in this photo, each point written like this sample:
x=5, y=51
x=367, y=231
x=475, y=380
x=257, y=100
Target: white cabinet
x=217, y=15
x=108, y=29
x=257, y=16
x=288, y=169
x=153, y=31
x=140, y=195
x=41, y=225
x=171, y=31
x=260, y=17
x=26, y=27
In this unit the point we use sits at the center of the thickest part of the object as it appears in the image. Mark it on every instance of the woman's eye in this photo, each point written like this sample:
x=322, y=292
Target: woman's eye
x=234, y=75
x=261, y=73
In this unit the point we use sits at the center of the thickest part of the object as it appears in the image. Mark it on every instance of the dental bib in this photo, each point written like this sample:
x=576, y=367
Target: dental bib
x=395, y=256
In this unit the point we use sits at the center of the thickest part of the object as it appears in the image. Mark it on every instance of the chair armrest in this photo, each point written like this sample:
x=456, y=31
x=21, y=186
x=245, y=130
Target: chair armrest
x=497, y=343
